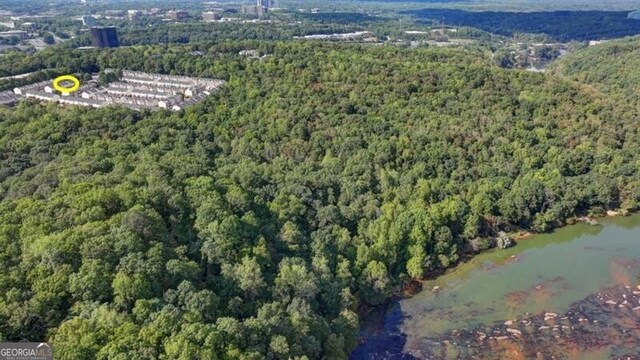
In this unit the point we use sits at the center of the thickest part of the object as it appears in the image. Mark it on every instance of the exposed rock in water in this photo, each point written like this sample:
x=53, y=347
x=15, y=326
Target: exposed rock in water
x=615, y=329
x=588, y=220
x=503, y=240
x=515, y=332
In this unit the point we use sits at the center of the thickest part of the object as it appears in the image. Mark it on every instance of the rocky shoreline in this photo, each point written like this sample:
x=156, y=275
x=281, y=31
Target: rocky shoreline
x=608, y=320
x=603, y=324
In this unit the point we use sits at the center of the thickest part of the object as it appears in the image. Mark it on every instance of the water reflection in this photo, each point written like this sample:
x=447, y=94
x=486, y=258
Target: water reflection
x=544, y=274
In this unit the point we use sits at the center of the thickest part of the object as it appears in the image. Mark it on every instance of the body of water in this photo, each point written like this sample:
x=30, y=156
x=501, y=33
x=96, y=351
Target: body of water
x=545, y=292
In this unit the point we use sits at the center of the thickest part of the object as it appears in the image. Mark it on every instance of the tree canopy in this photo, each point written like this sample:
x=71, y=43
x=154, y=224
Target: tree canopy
x=262, y=221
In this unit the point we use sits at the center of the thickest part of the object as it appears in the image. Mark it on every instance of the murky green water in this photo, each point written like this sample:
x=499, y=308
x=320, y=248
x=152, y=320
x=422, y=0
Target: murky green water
x=543, y=273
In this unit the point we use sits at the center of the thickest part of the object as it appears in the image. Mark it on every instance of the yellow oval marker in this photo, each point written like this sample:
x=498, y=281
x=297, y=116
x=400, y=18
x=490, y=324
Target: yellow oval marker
x=62, y=89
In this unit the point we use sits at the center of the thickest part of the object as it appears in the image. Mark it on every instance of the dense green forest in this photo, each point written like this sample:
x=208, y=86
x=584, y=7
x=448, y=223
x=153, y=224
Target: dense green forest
x=561, y=26
x=611, y=67
x=262, y=222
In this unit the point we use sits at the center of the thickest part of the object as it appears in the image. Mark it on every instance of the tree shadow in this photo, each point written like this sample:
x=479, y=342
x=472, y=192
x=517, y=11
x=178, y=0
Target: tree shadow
x=380, y=336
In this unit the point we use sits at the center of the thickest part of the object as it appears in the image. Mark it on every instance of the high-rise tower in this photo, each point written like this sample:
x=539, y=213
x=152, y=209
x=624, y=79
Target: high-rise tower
x=104, y=36
x=263, y=5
